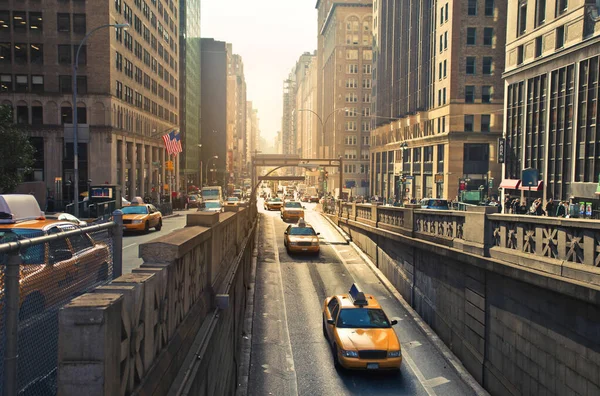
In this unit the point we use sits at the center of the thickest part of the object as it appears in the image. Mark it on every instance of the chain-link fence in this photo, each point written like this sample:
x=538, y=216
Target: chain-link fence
x=43, y=267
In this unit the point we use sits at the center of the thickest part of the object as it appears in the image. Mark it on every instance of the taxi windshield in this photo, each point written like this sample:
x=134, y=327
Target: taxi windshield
x=135, y=210
x=295, y=205
x=276, y=200
x=301, y=231
x=363, y=318
x=233, y=199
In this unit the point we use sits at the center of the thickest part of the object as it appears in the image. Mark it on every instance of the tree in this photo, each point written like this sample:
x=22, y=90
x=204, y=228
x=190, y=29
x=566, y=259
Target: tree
x=16, y=152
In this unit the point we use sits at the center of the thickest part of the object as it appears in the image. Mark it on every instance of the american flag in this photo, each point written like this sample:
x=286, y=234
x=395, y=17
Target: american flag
x=173, y=143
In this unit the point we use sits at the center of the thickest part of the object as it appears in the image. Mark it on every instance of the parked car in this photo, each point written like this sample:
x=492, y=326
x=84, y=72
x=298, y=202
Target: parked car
x=435, y=203
x=52, y=272
x=193, y=201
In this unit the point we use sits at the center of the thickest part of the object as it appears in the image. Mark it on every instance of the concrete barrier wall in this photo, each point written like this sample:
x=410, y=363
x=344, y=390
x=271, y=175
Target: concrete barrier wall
x=134, y=335
x=517, y=330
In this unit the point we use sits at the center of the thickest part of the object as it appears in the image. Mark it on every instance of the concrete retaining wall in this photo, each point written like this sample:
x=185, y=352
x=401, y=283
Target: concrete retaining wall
x=517, y=330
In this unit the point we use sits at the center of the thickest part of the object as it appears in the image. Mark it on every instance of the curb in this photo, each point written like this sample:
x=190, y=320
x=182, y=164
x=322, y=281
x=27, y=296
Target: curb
x=462, y=372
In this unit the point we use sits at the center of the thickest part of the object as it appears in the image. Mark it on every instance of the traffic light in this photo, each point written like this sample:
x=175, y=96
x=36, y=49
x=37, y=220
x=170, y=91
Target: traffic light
x=169, y=166
x=326, y=174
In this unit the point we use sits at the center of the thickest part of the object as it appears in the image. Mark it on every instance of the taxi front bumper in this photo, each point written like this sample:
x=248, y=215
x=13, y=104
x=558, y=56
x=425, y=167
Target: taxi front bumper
x=362, y=364
x=273, y=207
x=290, y=216
x=135, y=226
x=304, y=249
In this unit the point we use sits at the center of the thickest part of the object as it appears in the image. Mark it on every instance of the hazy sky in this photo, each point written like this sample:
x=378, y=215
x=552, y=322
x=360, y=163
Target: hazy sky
x=270, y=35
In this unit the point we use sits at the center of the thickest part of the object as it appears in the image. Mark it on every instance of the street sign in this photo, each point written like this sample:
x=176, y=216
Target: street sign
x=409, y=177
x=501, y=150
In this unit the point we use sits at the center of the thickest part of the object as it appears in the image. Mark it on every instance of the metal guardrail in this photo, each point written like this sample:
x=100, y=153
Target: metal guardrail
x=31, y=296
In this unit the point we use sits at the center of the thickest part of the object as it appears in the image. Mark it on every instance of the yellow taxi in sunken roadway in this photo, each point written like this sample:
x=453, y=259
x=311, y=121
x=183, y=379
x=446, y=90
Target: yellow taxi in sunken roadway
x=292, y=210
x=301, y=238
x=360, y=334
x=140, y=216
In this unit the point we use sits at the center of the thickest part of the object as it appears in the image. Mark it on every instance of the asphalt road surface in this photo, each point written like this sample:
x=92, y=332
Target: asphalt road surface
x=290, y=355
x=132, y=240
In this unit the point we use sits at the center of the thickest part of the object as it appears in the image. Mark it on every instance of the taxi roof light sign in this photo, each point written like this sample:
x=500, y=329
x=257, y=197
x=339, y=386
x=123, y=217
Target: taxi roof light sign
x=19, y=207
x=357, y=296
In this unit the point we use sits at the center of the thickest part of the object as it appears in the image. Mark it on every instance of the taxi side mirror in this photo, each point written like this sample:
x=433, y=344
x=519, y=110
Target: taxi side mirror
x=318, y=233
x=394, y=322
x=303, y=207
x=330, y=321
x=285, y=233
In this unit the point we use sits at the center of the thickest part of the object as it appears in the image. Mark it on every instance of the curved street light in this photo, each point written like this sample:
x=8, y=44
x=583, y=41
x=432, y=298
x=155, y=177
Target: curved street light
x=74, y=115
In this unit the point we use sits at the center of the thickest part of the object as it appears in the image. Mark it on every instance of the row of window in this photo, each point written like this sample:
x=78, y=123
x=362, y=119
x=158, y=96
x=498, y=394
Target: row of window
x=133, y=97
x=471, y=94
x=559, y=42
x=63, y=23
x=353, y=112
x=470, y=121
x=352, y=140
x=472, y=8
x=357, y=168
x=488, y=36
x=353, y=69
x=21, y=21
x=487, y=65
x=353, y=83
x=353, y=31
x=35, y=83
x=352, y=125
x=539, y=19
x=37, y=115
x=352, y=54
x=352, y=97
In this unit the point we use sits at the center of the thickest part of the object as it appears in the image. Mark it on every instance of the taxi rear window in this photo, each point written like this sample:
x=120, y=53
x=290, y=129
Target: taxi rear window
x=135, y=209
x=31, y=255
x=302, y=231
x=364, y=318
x=293, y=205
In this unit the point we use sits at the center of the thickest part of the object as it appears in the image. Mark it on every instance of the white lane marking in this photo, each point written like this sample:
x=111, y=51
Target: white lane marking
x=290, y=353
x=128, y=246
x=405, y=356
x=437, y=381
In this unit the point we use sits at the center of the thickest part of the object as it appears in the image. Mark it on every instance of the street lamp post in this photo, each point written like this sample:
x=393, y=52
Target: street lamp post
x=214, y=157
x=200, y=157
x=74, y=115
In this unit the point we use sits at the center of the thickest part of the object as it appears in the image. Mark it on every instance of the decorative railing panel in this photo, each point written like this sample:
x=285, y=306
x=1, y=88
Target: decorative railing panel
x=392, y=217
x=364, y=212
x=440, y=224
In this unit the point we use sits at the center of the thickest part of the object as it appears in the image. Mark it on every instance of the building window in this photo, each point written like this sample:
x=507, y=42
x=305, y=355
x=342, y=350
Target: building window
x=6, y=84
x=5, y=53
x=20, y=53
x=366, y=84
x=486, y=94
x=37, y=84
x=445, y=40
x=63, y=22
x=439, y=97
x=350, y=125
x=540, y=12
x=446, y=9
x=522, y=18
x=471, y=36
x=350, y=154
x=538, y=46
x=489, y=7
x=561, y=7
x=488, y=36
x=485, y=122
x=36, y=54
x=19, y=21
x=79, y=23
x=81, y=85
x=470, y=94
x=441, y=43
x=520, y=54
x=472, y=7
x=560, y=37
x=35, y=21
x=440, y=71
x=65, y=84
x=119, y=92
x=66, y=115
x=350, y=140
x=22, y=83
x=350, y=54
x=4, y=21
x=37, y=115
x=441, y=15
x=444, y=96
x=366, y=69
x=352, y=69
x=470, y=65
x=81, y=115
x=488, y=65
x=22, y=115
x=445, y=63
x=469, y=123
x=64, y=54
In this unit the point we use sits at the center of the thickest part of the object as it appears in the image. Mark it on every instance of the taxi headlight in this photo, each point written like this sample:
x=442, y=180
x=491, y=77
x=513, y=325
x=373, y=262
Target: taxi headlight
x=315, y=243
x=394, y=354
x=353, y=354
x=136, y=222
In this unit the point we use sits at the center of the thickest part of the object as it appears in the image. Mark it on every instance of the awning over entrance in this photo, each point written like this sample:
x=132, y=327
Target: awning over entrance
x=539, y=187
x=510, y=184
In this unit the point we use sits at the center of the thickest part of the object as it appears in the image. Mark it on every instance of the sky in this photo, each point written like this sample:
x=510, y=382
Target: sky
x=270, y=35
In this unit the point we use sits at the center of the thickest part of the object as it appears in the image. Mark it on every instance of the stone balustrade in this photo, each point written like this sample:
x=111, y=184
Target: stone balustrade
x=132, y=335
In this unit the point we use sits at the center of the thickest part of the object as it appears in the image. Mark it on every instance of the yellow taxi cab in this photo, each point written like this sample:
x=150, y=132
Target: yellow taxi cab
x=301, y=238
x=360, y=334
x=232, y=201
x=140, y=216
x=52, y=272
x=292, y=210
x=273, y=204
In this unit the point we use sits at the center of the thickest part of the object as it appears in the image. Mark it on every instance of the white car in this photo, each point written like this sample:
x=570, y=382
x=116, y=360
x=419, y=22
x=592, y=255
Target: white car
x=211, y=206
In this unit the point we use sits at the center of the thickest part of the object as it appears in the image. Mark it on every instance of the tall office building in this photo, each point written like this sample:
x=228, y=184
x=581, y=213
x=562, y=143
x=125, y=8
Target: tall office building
x=189, y=88
x=344, y=63
x=551, y=99
x=213, y=77
x=236, y=118
x=307, y=125
x=437, y=108
x=128, y=89
x=288, y=119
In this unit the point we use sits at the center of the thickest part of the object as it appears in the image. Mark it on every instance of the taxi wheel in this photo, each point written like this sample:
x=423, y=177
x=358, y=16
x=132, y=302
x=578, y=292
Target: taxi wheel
x=33, y=305
x=146, y=227
x=336, y=361
x=159, y=225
